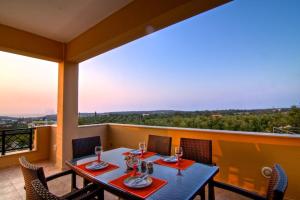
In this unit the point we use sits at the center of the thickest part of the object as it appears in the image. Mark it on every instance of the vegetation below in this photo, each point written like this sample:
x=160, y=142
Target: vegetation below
x=264, y=120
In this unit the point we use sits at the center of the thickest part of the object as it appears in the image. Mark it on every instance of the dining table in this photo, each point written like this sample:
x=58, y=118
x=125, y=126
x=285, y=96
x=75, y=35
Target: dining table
x=180, y=184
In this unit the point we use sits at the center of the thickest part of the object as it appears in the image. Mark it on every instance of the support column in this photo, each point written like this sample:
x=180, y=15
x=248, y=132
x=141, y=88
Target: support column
x=67, y=111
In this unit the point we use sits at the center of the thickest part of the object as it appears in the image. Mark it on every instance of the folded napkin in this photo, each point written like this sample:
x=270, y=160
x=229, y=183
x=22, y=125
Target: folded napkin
x=138, y=181
x=171, y=159
x=136, y=152
x=97, y=165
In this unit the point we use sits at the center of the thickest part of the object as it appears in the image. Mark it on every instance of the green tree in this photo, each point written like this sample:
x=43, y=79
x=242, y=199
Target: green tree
x=294, y=117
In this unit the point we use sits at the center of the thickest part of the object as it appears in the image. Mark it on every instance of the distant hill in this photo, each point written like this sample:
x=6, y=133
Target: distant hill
x=48, y=117
x=7, y=117
x=145, y=112
x=53, y=117
x=229, y=111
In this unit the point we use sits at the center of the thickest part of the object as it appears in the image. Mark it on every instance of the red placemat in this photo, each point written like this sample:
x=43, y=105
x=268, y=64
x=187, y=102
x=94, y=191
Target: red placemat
x=145, y=155
x=97, y=172
x=184, y=164
x=142, y=192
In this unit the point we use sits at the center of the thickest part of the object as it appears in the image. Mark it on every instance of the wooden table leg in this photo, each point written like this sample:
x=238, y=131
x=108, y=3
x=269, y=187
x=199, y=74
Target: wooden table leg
x=202, y=193
x=211, y=190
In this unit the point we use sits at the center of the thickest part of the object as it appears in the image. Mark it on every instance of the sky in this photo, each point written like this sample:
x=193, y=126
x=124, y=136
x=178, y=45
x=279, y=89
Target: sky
x=243, y=55
x=28, y=86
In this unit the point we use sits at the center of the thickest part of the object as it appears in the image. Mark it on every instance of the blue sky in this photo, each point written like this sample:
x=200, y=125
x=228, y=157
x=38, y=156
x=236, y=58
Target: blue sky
x=242, y=55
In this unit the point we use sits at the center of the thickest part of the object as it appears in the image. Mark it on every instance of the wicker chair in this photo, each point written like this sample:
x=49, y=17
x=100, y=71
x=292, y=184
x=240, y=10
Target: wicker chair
x=85, y=146
x=32, y=172
x=199, y=151
x=159, y=144
x=276, y=189
x=40, y=192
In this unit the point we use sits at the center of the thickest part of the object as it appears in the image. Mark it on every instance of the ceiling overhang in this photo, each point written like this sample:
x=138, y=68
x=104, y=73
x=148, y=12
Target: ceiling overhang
x=59, y=20
x=122, y=21
x=28, y=44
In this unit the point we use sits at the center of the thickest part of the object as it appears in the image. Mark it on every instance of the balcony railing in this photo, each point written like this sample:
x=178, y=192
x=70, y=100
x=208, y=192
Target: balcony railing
x=288, y=130
x=16, y=140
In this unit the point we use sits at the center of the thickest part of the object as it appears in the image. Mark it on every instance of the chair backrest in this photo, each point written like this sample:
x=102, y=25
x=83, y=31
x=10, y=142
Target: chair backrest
x=40, y=192
x=85, y=146
x=30, y=173
x=277, y=184
x=159, y=144
x=197, y=150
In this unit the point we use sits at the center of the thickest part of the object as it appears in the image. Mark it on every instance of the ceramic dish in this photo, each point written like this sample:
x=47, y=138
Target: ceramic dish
x=138, y=181
x=96, y=165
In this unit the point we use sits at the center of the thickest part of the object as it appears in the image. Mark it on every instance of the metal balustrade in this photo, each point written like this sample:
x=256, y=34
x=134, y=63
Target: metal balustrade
x=16, y=140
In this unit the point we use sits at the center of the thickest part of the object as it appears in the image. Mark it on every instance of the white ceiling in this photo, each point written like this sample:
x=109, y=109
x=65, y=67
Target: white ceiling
x=60, y=20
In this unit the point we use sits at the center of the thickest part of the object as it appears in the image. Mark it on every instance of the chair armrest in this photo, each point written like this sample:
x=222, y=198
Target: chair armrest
x=88, y=196
x=82, y=193
x=60, y=174
x=238, y=190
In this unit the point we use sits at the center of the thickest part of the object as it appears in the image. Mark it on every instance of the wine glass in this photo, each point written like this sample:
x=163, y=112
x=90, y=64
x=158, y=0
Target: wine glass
x=178, y=153
x=142, y=147
x=98, y=150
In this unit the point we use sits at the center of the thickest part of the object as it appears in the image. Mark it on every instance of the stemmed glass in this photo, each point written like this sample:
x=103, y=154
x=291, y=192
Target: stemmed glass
x=98, y=150
x=178, y=153
x=142, y=147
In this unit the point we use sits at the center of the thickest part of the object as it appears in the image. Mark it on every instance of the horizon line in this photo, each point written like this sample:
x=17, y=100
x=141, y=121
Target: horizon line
x=43, y=115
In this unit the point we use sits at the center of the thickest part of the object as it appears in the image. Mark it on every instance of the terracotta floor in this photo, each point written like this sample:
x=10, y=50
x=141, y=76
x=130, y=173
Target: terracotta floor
x=12, y=185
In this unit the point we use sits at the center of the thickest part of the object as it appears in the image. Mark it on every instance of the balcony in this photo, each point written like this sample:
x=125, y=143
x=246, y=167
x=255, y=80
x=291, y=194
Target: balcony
x=240, y=155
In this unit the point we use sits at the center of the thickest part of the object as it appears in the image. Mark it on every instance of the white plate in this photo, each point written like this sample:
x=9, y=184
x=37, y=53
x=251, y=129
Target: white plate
x=96, y=165
x=138, y=182
x=171, y=159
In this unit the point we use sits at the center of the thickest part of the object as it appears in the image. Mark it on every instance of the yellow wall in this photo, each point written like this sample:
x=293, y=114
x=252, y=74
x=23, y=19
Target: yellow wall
x=40, y=152
x=239, y=156
x=67, y=110
x=46, y=147
x=95, y=130
x=52, y=146
x=81, y=132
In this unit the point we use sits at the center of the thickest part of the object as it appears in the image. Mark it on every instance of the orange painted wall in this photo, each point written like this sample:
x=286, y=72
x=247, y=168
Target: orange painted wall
x=55, y=153
x=40, y=152
x=239, y=156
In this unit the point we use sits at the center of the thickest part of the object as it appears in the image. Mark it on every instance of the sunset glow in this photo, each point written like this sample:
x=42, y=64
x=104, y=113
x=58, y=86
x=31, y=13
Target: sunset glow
x=28, y=86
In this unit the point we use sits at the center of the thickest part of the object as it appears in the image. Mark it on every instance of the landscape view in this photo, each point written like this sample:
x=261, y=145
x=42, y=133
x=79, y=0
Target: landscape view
x=246, y=79
x=276, y=120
